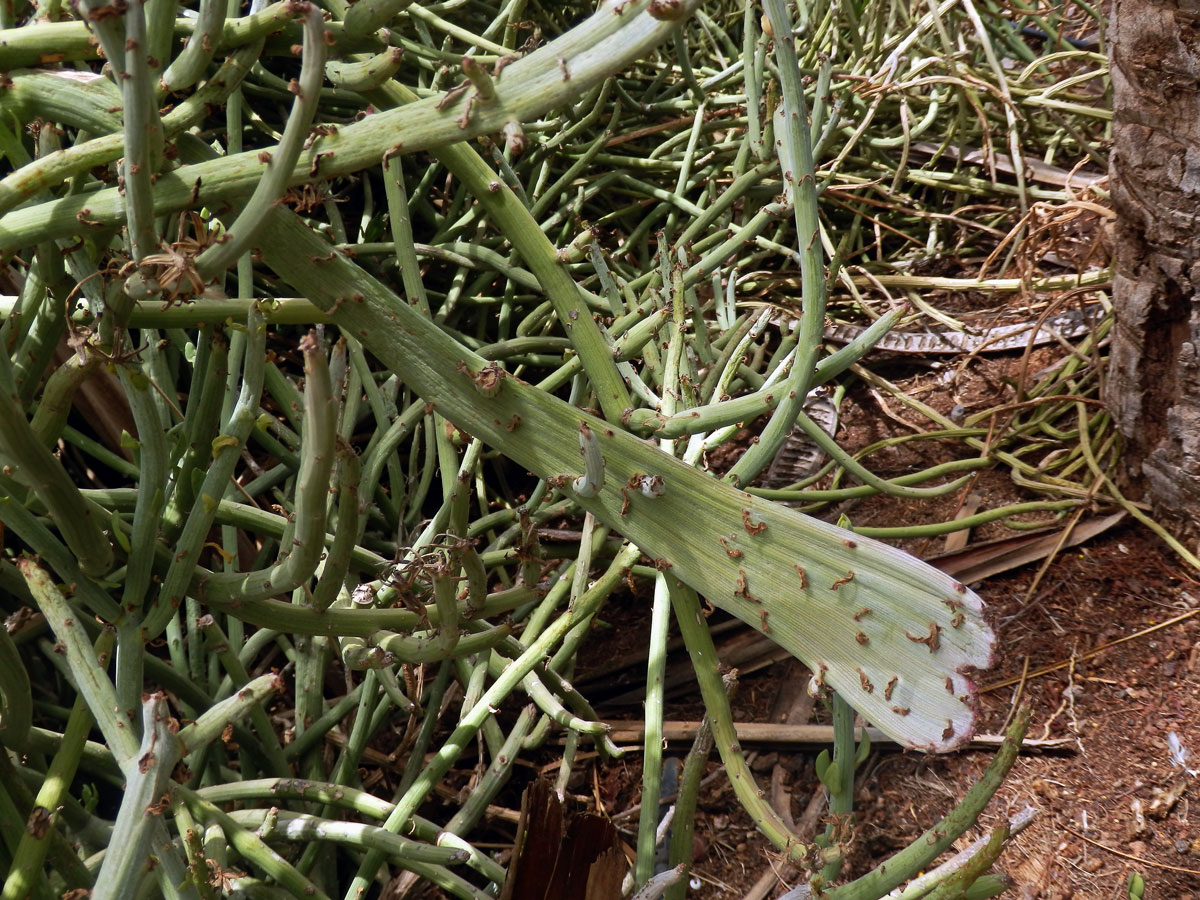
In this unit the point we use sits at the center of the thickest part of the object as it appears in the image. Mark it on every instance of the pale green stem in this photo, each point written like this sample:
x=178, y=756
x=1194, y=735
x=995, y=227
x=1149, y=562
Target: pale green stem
x=750, y=406
x=367, y=74
x=26, y=869
x=470, y=724
x=367, y=16
x=152, y=485
x=351, y=513
x=143, y=138
x=90, y=678
x=280, y=825
x=251, y=847
x=216, y=642
x=312, y=487
x=926, y=848
x=796, y=162
x=694, y=767
x=240, y=236
x=660, y=622
x=839, y=781
x=694, y=629
x=201, y=420
x=38, y=469
x=129, y=855
x=186, y=69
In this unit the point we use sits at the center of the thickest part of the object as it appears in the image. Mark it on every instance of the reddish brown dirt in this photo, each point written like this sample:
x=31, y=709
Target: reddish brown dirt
x=1115, y=707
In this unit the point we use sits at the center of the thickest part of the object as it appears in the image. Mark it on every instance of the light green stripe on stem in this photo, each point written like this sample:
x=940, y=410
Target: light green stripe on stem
x=277, y=824
x=251, y=847
x=660, y=622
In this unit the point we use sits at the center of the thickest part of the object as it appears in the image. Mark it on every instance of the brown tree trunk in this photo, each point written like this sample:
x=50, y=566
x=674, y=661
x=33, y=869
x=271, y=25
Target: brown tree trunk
x=1154, y=382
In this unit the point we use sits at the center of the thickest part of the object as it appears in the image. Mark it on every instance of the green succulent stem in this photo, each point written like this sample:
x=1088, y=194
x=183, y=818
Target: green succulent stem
x=696, y=636
x=917, y=855
x=591, y=52
x=16, y=697
x=312, y=488
x=54, y=168
x=470, y=724
x=143, y=138
x=32, y=462
x=281, y=161
x=684, y=823
x=799, y=174
x=660, y=620
x=223, y=453
x=134, y=840
x=756, y=547
x=367, y=16
x=185, y=70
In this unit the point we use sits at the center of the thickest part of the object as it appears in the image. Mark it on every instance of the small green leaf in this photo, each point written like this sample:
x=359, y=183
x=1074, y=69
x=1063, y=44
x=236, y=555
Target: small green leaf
x=832, y=777
x=118, y=533
x=821, y=764
x=221, y=441
x=863, y=751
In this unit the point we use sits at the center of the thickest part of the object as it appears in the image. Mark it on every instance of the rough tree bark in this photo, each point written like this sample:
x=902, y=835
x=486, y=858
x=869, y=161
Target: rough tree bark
x=1154, y=382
